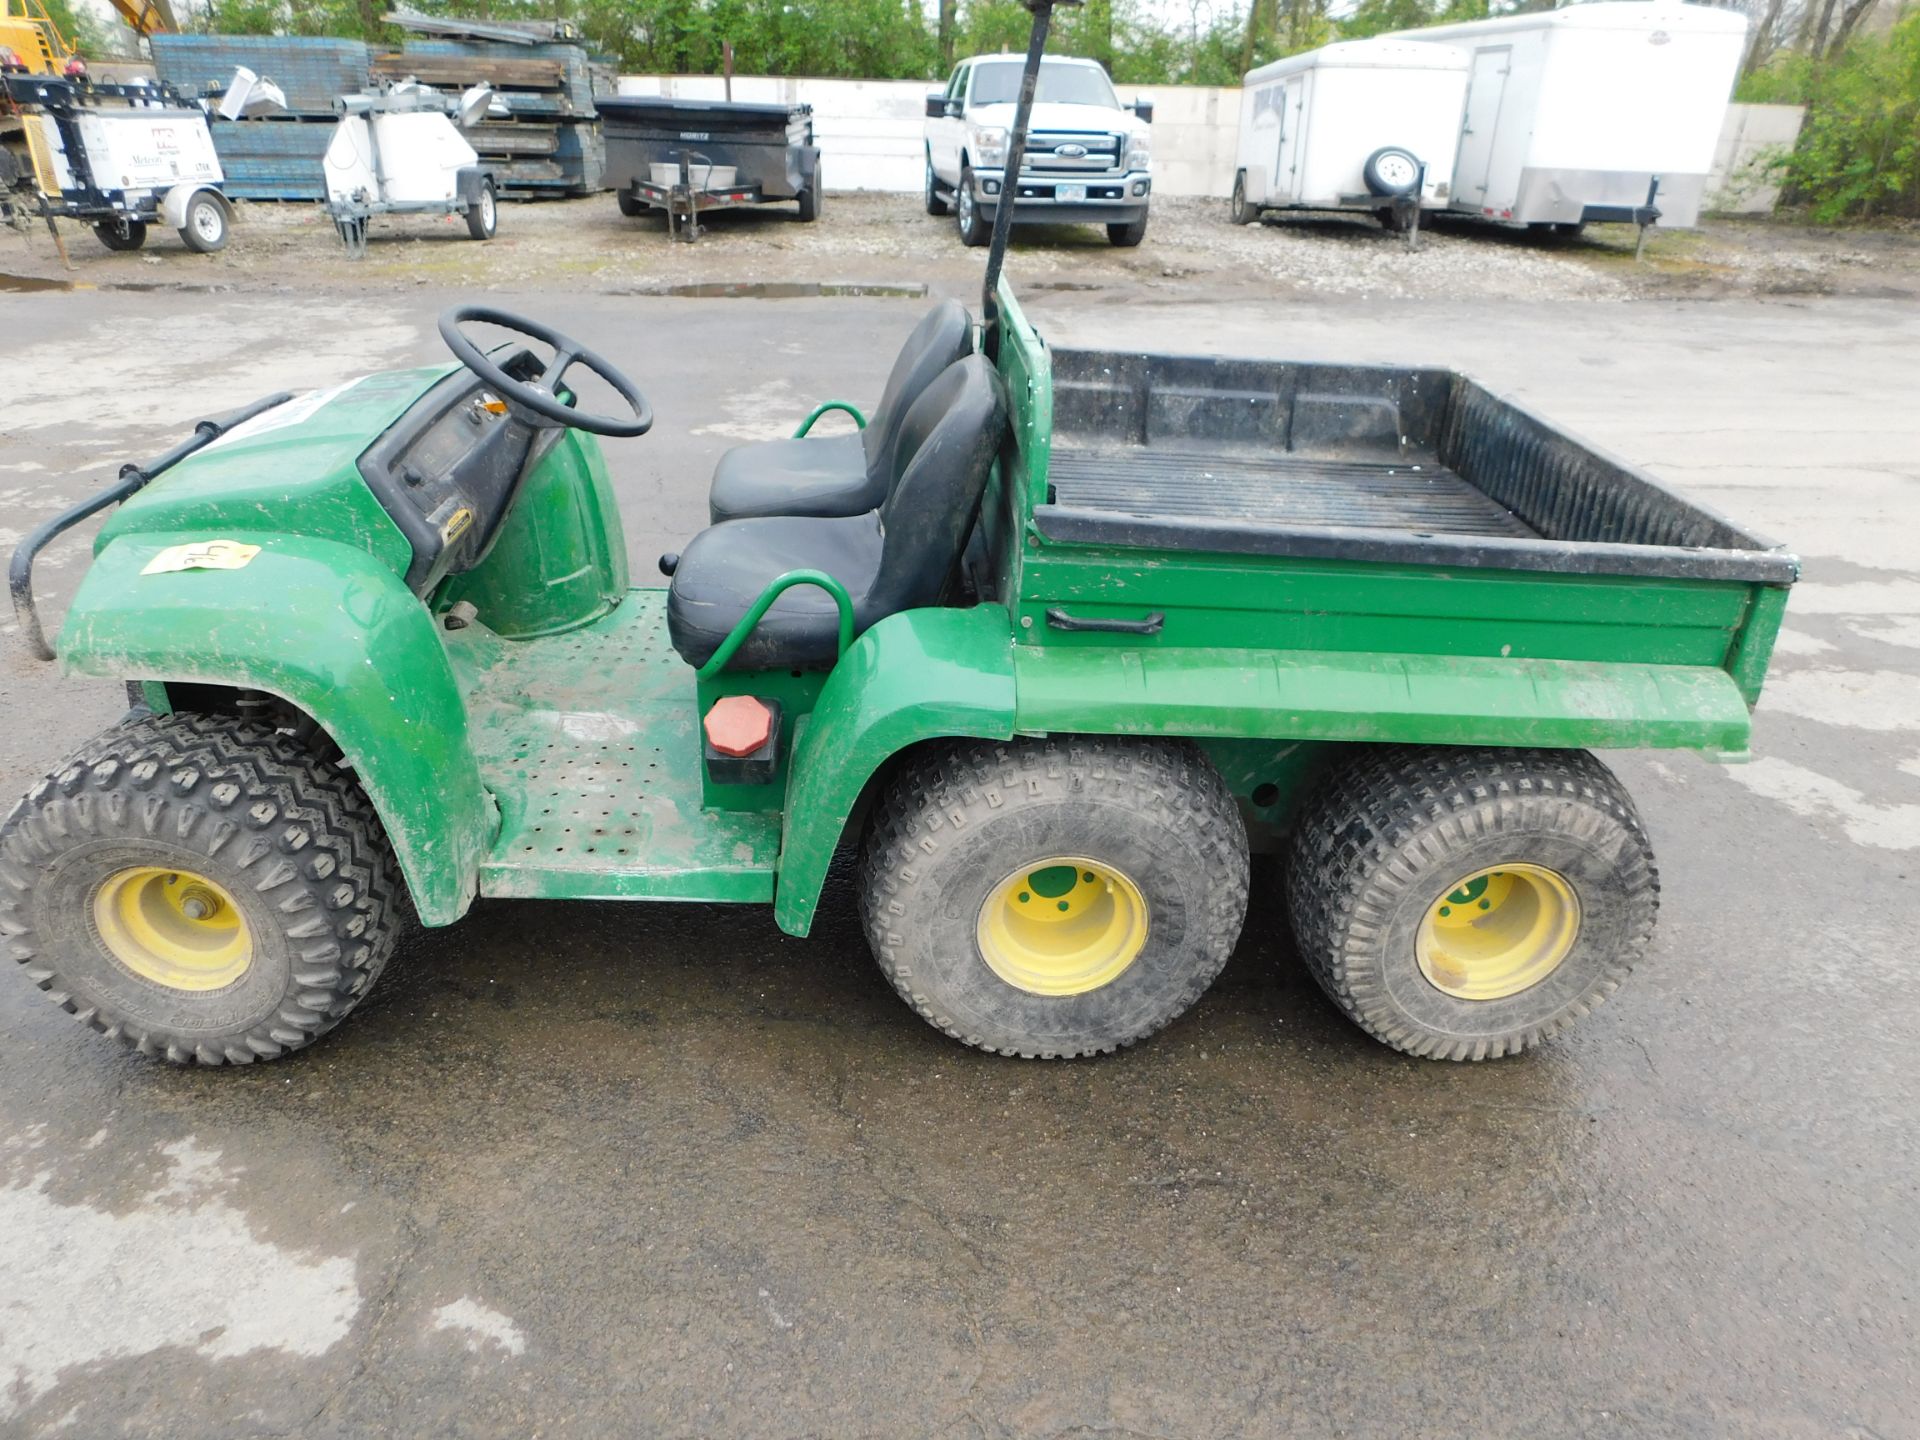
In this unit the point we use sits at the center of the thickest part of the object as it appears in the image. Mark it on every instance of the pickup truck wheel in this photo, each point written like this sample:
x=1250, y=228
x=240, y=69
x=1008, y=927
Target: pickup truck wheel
x=1055, y=898
x=974, y=229
x=199, y=887
x=935, y=205
x=1464, y=904
x=114, y=237
x=483, y=216
x=1128, y=235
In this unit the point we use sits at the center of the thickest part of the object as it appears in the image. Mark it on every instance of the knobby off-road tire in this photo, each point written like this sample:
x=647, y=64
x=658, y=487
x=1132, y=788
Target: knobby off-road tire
x=1384, y=843
x=967, y=820
x=288, y=839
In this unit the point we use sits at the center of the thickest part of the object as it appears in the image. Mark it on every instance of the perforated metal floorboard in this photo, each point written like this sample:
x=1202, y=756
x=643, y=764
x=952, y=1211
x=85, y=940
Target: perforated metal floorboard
x=587, y=742
x=1280, y=490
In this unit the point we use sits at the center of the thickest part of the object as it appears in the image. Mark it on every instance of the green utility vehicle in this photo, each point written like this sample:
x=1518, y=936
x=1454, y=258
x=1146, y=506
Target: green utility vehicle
x=1059, y=639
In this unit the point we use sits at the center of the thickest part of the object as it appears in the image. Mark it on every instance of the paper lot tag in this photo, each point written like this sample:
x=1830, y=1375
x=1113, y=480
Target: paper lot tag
x=201, y=555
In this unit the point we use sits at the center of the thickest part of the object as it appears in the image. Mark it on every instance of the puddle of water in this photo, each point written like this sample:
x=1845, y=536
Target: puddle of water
x=784, y=290
x=23, y=284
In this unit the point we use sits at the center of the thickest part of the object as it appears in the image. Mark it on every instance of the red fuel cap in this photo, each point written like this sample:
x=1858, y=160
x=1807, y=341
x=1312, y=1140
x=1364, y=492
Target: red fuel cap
x=738, y=725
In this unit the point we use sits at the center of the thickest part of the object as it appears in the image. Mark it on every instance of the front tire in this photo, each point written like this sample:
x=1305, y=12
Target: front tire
x=206, y=229
x=1463, y=904
x=200, y=888
x=1055, y=898
x=973, y=226
x=483, y=216
x=935, y=205
x=1128, y=235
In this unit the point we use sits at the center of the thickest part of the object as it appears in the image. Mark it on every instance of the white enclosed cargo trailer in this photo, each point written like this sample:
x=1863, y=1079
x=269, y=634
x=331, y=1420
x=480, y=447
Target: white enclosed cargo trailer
x=1350, y=127
x=1603, y=112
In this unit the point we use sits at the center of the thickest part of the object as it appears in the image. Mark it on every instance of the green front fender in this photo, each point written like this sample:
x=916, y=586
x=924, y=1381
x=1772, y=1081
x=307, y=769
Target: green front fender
x=332, y=630
x=919, y=675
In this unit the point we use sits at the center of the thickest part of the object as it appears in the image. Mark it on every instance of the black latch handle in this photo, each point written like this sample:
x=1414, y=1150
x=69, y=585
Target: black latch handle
x=1059, y=619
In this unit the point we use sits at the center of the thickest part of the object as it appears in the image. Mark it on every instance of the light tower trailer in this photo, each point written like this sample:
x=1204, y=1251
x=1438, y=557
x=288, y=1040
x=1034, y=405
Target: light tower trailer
x=400, y=152
x=118, y=158
x=1366, y=126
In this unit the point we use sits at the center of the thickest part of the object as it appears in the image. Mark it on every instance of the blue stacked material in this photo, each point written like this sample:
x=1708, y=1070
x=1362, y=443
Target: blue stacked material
x=310, y=70
x=272, y=160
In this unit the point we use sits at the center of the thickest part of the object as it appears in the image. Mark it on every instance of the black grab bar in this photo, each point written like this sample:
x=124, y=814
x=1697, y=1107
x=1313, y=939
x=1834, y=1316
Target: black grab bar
x=132, y=477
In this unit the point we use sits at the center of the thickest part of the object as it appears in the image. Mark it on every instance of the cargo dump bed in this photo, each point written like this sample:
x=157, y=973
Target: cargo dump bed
x=1357, y=553
x=1383, y=463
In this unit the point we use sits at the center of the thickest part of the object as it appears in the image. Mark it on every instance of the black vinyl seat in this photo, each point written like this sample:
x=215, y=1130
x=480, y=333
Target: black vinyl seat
x=841, y=474
x=896, y=557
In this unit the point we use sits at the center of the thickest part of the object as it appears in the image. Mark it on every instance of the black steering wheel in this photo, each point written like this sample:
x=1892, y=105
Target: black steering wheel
x=540, y=396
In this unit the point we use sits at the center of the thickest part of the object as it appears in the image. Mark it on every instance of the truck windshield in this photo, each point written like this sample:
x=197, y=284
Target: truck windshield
x=997, y=82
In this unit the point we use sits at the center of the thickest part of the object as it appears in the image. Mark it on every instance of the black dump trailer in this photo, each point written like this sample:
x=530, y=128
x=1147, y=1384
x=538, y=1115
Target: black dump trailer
x=685, y=157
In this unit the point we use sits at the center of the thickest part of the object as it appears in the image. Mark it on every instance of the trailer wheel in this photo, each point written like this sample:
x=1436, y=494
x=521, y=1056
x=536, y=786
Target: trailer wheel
x=935, y=205
x=1463, y=904
x=206, y=229
x=483, y=216
x=199, y=887
x=630, y=206
x=121, y=235
x=1128, y=235
x=1391, y=171
x=1242, y=213
x=1054, y=898
x=810, y=197
x=973, y=226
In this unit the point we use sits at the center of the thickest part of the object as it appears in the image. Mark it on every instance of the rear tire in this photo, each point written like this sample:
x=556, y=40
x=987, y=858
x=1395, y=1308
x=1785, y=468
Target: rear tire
x=973, y=226
x=483, y=216
x=205, y=232
x=1405, y=862
x=114, y=238
x=282, y=853
x=1128, y=235
x=810, y=199
x=1055, y=898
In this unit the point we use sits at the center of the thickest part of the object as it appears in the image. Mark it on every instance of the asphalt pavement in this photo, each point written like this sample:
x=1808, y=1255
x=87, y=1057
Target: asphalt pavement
x=591, y=1169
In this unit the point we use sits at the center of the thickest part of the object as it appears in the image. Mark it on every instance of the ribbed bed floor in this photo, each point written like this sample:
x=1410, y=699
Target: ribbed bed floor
x=1279, y=490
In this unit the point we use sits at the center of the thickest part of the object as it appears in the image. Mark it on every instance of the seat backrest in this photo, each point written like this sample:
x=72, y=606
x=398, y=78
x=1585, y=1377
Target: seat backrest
x=944, y=335
x=948, y=440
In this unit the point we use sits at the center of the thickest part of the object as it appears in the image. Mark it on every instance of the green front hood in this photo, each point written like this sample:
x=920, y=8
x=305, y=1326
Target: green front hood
x=289, y=471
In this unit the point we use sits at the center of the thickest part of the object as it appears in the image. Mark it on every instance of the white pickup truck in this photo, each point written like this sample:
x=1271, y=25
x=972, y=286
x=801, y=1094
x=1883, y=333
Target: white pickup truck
x=1086, y=158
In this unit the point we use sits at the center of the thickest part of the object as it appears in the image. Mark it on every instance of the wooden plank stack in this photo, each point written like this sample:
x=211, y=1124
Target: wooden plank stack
x=549, y=143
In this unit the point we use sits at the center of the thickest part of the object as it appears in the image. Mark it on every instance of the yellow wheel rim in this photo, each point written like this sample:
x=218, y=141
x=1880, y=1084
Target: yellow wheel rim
x=1063, y=926
x=173, y=927
x=1498, y=931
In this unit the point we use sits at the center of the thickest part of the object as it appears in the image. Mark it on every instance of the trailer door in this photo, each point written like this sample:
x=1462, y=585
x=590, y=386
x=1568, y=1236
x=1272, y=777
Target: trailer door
x=1486, y=88
x=1286, y=155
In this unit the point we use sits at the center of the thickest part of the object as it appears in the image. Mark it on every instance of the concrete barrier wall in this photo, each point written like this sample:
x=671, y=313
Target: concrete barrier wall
x=1751, y=135
x=870, y=131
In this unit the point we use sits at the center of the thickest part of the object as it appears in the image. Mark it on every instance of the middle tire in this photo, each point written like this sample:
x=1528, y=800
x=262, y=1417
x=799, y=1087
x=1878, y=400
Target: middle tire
x=1055, y=898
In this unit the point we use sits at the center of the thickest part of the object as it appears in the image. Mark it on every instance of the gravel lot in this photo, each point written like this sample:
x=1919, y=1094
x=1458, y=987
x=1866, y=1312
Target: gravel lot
x=1191, y=251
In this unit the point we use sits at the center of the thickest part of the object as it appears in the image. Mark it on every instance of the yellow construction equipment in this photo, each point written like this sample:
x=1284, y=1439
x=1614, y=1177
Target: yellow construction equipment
x=29, y=32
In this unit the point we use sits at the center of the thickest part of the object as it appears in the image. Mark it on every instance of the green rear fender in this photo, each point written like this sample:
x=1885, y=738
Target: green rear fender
x=919, y=675
x=331, y=629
